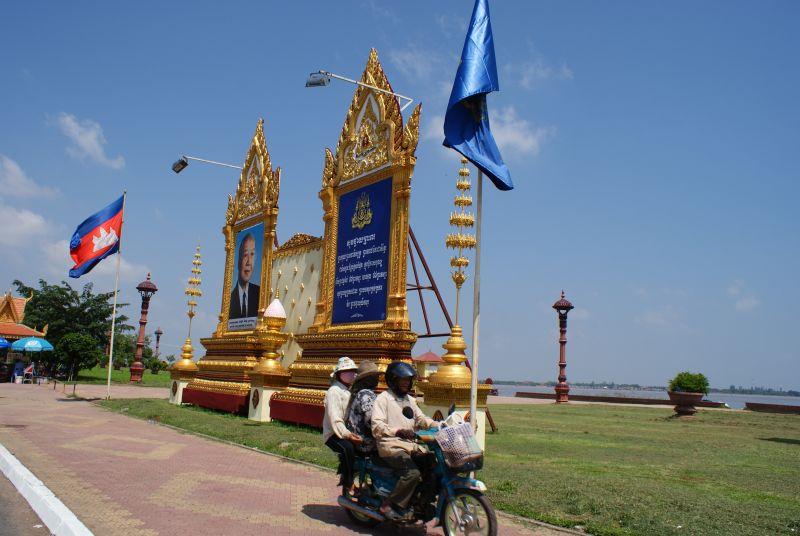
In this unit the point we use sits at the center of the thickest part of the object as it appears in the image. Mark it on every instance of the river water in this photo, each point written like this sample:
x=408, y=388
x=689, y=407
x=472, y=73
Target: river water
x=734, y=401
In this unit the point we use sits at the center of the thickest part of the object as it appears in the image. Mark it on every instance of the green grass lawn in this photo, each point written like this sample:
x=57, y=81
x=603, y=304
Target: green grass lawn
x=99, y=375
x=614, y=470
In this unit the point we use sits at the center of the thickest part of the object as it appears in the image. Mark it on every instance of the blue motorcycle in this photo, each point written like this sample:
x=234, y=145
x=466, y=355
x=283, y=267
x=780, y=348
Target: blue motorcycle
x=446, y=493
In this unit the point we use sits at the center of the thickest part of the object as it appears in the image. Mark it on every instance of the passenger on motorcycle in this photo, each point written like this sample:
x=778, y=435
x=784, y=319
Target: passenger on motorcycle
x=394, y=434
x=362, y=399
x=334, y=432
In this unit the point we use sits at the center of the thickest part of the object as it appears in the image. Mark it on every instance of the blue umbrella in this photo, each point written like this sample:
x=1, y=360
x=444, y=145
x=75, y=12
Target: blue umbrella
x=32, y=344
x=4, y=343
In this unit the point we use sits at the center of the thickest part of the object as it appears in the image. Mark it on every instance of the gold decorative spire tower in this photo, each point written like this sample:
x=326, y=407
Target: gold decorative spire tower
x=193, y=292
x=453, y=370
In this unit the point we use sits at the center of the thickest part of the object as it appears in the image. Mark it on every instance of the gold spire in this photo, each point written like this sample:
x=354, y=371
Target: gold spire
x=192, y=291
x=461, y=240
x=453, y=370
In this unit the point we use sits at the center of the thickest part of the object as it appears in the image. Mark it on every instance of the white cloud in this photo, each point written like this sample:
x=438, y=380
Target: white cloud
x=20, y=226
x=414, y=61
x=531, y=73
x=735, y=288
x=14, y=181
x=744, y=299
x=747, y=303
x=88, y=139
x=579, y=313
x=379, y=11
x=664, y=317
x=512, y=132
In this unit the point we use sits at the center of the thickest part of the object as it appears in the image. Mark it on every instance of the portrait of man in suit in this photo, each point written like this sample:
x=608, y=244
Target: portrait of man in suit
x=244, y=296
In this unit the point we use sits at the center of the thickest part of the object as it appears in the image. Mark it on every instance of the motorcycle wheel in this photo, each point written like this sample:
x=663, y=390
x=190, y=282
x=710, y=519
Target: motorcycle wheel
x=360, y=519
x=469, y=512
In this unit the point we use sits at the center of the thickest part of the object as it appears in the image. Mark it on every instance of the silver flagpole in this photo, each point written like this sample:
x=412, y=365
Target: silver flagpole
x=476, y=307
x=114, y=309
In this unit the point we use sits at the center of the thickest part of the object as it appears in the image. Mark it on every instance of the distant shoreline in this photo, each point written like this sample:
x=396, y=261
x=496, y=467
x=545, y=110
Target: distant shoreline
x=765, y=391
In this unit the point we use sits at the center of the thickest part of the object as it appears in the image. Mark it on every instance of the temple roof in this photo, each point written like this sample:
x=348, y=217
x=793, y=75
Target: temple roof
x=17, y=331
x=428, y=357
x=12, y=312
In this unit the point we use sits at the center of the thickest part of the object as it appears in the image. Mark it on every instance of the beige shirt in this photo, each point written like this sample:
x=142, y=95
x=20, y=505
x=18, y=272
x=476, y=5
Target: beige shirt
x=336, y=400
x=388, y=418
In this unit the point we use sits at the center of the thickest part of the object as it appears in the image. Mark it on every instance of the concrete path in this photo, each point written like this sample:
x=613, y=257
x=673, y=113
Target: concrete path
x=123, y=476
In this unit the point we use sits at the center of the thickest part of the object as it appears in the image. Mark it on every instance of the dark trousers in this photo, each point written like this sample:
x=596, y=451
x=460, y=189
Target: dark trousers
x=407, y=468
x=344, y=449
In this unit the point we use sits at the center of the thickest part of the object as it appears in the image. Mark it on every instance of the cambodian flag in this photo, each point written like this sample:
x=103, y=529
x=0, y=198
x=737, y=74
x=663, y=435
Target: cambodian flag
x=96, y=238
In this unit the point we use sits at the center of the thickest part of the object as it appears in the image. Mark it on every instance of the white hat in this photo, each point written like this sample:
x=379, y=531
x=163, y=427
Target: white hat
x=345, y=363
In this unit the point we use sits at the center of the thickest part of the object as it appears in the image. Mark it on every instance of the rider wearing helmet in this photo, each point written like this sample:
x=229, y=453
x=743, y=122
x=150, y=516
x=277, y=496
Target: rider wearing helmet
x=394, y=433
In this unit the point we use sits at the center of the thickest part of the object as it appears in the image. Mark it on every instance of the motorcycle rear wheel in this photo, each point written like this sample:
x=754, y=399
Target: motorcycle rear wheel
x=475, y=515
x=360, y=519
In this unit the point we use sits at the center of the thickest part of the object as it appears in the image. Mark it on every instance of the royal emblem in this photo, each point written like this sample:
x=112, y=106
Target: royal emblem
x=362, y=216
x=104, y=240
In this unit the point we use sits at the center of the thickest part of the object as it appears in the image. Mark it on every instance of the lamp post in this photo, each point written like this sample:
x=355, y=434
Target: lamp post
x=146, y=288
x=322, y=78
x=159, y=333
x=562, y=307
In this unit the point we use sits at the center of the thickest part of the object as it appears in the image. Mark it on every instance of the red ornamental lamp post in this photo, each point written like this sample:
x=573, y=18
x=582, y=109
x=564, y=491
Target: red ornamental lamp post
x=146, y=288
x=159, y=333
x=562, y=307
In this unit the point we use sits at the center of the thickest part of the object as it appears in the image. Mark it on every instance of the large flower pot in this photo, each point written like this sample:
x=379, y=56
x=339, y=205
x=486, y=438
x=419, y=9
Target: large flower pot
x=685, y=402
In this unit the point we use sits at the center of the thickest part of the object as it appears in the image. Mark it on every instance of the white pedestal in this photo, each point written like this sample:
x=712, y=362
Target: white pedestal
x=176, y=390
x=259, y=403
x=480, y=420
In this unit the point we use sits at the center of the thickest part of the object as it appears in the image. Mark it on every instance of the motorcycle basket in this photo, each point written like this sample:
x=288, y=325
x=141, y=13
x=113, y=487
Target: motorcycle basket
x=459, y=446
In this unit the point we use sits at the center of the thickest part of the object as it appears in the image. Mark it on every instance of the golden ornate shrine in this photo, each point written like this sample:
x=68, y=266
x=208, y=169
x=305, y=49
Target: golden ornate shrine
x=221, y=381
x=375, y=151
x=329, y=313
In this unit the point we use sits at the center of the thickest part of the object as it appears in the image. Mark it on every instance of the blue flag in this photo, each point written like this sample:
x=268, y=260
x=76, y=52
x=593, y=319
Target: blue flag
x=466, y=123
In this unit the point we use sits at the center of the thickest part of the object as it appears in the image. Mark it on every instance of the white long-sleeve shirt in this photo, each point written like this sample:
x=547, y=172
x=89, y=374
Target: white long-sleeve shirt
x=388, y=418
x=333, y=423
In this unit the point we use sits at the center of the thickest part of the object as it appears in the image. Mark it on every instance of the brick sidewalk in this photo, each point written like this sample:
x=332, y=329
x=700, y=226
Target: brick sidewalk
x=123, y=476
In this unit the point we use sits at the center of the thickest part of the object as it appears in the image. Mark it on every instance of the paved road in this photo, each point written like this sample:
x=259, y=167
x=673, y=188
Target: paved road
x=121, y=475
x=16, y=517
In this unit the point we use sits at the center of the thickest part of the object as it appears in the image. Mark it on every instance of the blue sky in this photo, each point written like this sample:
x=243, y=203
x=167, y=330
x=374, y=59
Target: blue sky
x=653, y=147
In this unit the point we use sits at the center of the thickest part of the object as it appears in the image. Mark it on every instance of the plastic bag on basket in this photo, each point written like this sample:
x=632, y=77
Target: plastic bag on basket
x=458, y=444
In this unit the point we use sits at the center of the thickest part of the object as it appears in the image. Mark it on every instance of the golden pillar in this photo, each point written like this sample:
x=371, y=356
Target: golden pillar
x=451, y=384
x=185, y=369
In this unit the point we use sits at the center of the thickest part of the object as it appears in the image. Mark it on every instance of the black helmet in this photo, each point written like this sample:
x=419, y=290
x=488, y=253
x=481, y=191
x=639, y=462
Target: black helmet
x=397, y=370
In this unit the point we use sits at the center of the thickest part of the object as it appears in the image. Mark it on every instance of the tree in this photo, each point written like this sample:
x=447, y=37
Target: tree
x=124, y=349
x=65, y=310
x=78, y=351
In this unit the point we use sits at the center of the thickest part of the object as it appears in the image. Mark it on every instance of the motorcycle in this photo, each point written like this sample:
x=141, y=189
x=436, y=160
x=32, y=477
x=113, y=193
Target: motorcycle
x=447, y=492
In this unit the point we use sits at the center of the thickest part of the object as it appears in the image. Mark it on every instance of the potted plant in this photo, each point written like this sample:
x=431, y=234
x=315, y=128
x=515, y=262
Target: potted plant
x=686, y=390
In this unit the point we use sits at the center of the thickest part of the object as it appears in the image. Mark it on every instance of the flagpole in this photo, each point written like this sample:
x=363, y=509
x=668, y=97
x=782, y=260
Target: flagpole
x=476, y=306
x=116, y=291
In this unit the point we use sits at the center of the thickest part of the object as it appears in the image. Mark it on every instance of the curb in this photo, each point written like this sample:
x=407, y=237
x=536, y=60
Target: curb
x=56, y=516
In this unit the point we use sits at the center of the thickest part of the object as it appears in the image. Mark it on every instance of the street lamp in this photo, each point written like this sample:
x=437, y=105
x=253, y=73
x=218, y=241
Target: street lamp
x=183, y=162
x=146, y=288
x=323, y=78
x=562, y=307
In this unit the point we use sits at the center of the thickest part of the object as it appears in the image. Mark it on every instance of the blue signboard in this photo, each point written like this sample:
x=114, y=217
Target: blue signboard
x=362, y=254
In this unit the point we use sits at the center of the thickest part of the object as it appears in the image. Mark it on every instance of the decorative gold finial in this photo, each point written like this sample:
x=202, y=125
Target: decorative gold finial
x=453, y=370
x=461, y=240
x=193, y=292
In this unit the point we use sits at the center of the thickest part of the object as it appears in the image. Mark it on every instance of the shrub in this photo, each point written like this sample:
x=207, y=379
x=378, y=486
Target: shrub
x=689, y=382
